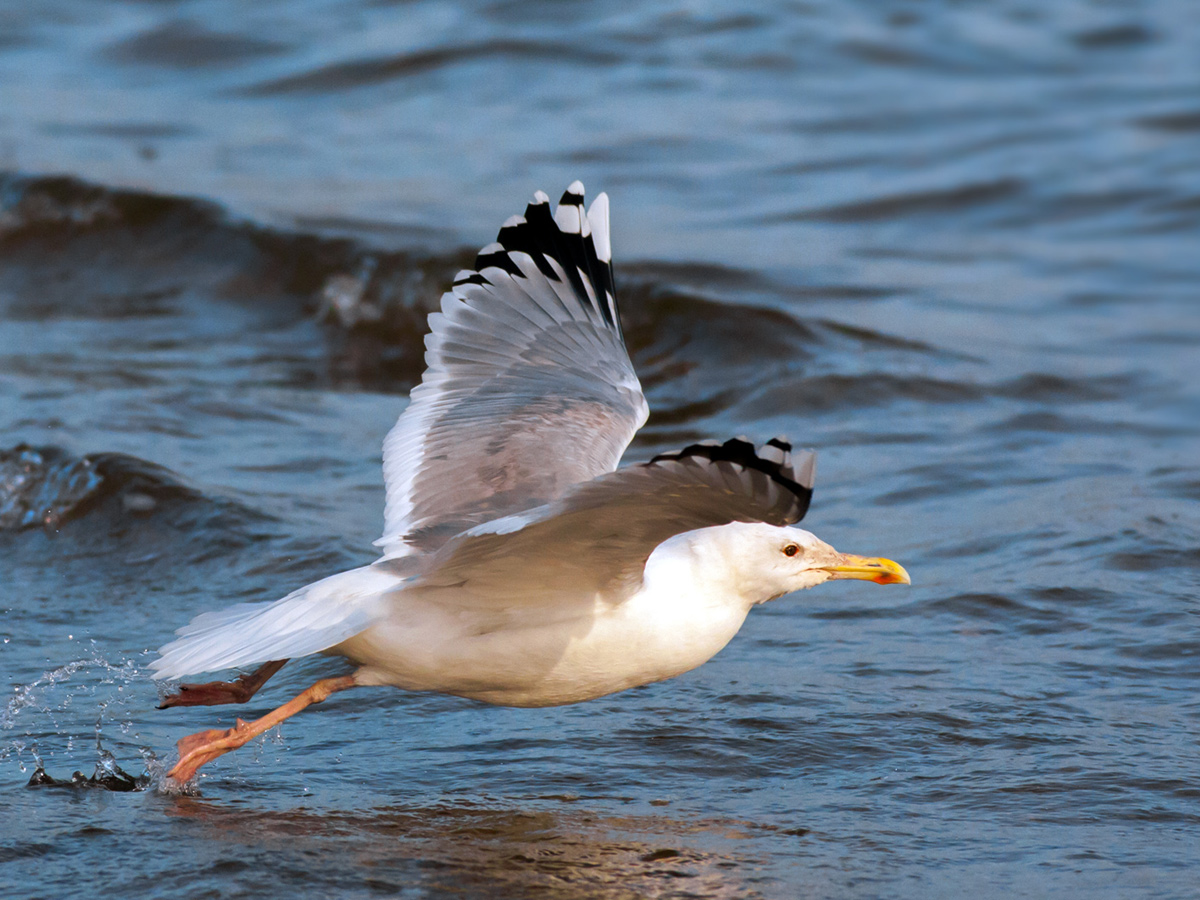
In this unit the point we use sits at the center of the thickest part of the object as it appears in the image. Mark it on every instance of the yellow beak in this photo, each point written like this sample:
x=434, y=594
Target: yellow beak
x=876, y=569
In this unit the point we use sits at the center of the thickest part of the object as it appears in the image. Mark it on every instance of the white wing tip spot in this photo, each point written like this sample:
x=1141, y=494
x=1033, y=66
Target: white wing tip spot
x=807, y=473
x=772, y=454
x=597, y=215
x=567, y=218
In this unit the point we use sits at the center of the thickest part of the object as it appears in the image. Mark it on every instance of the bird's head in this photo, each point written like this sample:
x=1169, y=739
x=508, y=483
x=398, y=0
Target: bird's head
x=768, y=561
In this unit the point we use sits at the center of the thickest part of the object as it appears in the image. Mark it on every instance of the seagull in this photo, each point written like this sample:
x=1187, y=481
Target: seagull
x=520, y=567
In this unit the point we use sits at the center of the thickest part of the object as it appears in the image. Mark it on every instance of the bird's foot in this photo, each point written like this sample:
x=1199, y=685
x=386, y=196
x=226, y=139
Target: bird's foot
x=203, y=747
x=211, y=693
x=215, y=693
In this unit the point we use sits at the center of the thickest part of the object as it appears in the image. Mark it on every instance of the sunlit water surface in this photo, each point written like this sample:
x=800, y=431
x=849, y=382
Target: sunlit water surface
x=953, y=248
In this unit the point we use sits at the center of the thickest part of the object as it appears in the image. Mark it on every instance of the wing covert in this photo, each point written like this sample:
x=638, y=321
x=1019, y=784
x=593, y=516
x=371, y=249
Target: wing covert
x=596, y=539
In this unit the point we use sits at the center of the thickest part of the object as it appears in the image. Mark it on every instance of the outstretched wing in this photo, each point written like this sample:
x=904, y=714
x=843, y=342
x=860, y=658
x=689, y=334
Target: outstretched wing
x=528, y=387
x=596, y=539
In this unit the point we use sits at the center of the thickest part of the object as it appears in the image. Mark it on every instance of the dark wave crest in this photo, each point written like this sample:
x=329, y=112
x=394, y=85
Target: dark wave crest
x=123, y=497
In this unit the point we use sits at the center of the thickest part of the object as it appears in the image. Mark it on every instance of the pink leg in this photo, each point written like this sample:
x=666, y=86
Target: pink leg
x=203, y=747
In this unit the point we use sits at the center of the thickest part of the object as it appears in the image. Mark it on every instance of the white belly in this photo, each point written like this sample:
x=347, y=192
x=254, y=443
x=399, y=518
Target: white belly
x=653, y=635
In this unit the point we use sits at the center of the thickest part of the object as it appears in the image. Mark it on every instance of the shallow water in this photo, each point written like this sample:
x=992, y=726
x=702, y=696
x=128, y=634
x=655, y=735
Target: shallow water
x=956, y=249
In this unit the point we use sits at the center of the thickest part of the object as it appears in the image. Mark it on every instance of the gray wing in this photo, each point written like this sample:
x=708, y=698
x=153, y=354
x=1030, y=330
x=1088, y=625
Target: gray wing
x=528, y=387
x=597, y=538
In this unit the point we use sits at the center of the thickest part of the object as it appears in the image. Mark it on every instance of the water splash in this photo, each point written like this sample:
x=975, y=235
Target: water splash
x=29, y=695
x=108, y=776
x=42, y=699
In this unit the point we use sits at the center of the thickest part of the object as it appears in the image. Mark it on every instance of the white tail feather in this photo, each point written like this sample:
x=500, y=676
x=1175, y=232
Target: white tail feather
x=306, y=621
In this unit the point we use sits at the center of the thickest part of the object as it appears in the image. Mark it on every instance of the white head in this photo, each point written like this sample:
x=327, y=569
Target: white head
x=760, y=562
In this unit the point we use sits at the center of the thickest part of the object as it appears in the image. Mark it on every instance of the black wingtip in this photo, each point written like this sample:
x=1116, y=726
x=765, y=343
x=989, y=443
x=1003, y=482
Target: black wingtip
x=774, y=459
x=539, y=235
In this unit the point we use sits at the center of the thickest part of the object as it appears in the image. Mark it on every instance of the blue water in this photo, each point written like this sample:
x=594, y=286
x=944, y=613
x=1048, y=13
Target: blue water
x=956, y=248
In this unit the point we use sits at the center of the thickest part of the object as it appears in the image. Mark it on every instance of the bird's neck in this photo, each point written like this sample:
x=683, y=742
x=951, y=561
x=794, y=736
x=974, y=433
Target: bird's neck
x=698, y=571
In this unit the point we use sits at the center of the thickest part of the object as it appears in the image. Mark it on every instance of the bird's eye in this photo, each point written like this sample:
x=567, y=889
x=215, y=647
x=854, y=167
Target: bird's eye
x=791, y=550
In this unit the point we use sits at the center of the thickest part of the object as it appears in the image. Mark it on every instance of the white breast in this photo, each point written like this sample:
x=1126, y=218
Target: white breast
x=672, y=625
